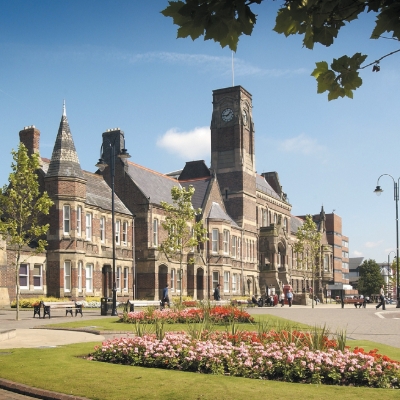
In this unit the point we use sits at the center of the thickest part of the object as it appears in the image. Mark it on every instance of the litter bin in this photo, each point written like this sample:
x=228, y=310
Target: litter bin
x=105, y=305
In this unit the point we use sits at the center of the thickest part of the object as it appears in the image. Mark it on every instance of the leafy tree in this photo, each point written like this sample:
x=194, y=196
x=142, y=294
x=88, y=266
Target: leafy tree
x=21, y=209
x=308, y=246
x=371, y=279
x=318, y=21
x=184, y=231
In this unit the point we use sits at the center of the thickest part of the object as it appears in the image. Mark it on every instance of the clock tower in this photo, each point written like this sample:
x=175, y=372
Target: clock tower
x=232, y=153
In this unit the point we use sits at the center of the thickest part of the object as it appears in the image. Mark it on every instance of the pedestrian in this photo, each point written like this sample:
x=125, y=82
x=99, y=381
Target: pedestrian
x=381, y=298
x=282, y=299
x=289, y=296
x=165, y=297
x=217, y=295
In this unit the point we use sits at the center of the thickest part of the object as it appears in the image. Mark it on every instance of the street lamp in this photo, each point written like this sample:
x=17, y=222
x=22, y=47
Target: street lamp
x=101, y=165
x=378, y=191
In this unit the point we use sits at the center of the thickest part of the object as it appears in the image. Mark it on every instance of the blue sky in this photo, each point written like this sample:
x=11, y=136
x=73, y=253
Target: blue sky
x=119, y=64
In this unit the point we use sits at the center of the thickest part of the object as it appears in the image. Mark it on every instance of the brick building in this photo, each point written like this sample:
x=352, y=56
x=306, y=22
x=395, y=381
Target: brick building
x=247, y=215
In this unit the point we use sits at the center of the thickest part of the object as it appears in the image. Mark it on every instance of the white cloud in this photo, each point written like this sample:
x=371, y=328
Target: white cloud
x=302, y=144
x=373, y=244
x=357, y=253
x=191, y=145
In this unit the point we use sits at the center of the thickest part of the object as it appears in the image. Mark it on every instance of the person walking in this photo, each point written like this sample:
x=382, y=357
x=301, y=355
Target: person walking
x=289, y=296
x=165, y=297
x=282, y=299
x=217, y=295
x=381, y=298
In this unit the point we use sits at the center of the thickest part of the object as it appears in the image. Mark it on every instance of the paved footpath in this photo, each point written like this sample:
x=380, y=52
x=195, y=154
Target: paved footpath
x=365, y=323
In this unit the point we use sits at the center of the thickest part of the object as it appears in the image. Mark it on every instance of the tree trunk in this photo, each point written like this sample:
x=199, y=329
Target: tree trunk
x=17, y=283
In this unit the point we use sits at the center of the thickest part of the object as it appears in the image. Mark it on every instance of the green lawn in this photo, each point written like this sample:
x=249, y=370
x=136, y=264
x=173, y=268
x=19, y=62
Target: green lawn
x=63, y=369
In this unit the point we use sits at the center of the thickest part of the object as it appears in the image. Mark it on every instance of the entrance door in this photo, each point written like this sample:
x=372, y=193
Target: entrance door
x=200, y=283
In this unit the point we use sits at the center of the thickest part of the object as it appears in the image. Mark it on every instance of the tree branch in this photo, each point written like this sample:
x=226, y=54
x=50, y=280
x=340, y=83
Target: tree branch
x=377, y=61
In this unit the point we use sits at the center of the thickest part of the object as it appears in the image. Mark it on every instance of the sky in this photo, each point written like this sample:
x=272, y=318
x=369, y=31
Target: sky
x=119, y=64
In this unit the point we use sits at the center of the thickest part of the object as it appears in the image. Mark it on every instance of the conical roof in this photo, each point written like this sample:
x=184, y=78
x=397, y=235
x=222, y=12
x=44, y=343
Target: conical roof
x=64, y=160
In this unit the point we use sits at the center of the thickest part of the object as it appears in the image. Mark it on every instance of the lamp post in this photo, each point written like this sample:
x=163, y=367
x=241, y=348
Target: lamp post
x=101, y=165
x=378, y=191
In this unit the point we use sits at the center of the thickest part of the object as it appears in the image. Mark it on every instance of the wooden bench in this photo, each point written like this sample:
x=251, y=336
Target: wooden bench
x=131, y=304
x=357, y=302
x=68, y=306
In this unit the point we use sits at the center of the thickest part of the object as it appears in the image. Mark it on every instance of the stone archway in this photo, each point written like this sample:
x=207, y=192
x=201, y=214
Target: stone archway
x=162, y=279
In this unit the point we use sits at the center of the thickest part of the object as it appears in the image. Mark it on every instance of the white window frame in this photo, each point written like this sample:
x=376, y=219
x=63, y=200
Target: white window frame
x=23, y=275
x=126, y=278
x=234, y=239
x=264, y=217
x=124, y=233
x=117, y=231
x=155, y=232
x=89, y=278
x=67, y=276
x=178, y=281
x=89, y=218
x=234, y=280
x=172, y=284
x=215, y=279
x=239, y=245
x=215, y=240
x=118, y=278
x=66, y=219
x=80, y=267
x=40, y=276
x=102, y=229
x=226, y=241
x=79, y=221
x=226, y=281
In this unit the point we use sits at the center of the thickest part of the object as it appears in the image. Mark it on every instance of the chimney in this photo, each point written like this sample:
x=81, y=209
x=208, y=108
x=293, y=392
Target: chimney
x=30, y=136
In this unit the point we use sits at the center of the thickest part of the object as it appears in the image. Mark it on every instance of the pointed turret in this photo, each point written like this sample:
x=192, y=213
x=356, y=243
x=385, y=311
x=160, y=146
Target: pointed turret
x=64, y=160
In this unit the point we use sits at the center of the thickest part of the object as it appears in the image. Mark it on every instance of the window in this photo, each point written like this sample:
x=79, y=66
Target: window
x=37, y=276
x=264, y=217
x=215, y=240
x=239, y=242
x=285, y=224
x=226, y=281
x=226, y=241
x=172, y=285
x=66, y=220
x=178, y=281
x=67, y=276
x=234, y=239
x=79, y=276
x=126, y=273
x=88, y=226
x=155, y=232
x=89, y=278
x=125, y=233
x=79, y=221
x=234, y=280
x=118, y=279
x=102, y=229
x=215, y=279
x=24, y=276
x=117, y=231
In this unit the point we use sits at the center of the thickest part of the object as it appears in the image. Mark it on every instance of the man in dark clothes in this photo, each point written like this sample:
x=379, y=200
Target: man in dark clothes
x=217, y=295
x=165, y=297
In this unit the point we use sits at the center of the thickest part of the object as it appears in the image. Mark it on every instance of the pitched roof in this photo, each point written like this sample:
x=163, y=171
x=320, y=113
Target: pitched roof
x=154, y=185
x=201, y=186
x=216, y=212
x=295, y=223
x=264, y=186
x=195, y=169
x=98, y=194
x=64, y=160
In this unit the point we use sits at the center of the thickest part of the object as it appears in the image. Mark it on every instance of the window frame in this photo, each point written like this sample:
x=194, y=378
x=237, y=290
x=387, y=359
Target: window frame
x=226, y=238
x=117, y=232
x=215, y=240
x=226, y=281
x=79, y=221
x=126, y=279
x=234, y=239
x=89, y=219
x=118, y=278
x=155, y=232
x=67, y=276
x=40, y=276
x=80, y=270
x=125, y=233
x=24, y=275
x=234, y=280
x=102, y=229
x=89, y=278
x=215, y=279
x=172, y=280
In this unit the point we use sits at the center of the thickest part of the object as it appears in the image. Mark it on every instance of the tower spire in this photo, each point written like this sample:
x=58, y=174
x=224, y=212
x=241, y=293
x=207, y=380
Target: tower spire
x=64, y=109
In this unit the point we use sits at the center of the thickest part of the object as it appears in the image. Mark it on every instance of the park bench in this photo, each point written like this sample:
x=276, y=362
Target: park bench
x=131, y=304
x=357, y=302
x=68, y=306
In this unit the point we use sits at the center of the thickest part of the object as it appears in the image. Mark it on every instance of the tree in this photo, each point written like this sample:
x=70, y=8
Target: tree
x=319, y=21
x=371, y=279
x=308, y=246
x=183, y=229
x=21, y=209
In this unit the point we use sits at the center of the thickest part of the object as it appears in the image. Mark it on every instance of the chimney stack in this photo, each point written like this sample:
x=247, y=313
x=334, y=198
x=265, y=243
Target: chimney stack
x=30, y=136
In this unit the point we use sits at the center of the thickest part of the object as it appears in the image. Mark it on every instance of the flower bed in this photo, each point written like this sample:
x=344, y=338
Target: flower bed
x=252, y=356
x=218, y=314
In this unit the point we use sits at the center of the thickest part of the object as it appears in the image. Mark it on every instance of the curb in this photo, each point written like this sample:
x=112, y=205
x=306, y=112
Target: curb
x=36, y=392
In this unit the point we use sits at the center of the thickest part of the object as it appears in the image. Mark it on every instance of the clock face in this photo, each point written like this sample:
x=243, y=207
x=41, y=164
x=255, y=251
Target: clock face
x=227, y=114
x=244, y=115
